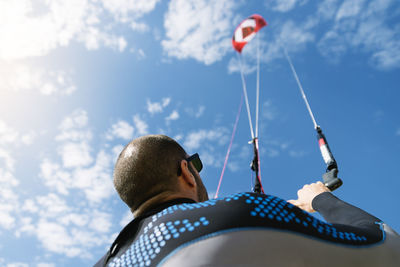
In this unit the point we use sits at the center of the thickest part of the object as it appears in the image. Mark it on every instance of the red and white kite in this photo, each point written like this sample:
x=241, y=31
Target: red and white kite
x=246, y=31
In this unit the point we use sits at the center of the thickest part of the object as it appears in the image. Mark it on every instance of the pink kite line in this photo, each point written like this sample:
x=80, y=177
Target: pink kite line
x=230, y=146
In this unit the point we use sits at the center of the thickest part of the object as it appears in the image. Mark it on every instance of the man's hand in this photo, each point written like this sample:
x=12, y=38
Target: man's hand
x=307, y=194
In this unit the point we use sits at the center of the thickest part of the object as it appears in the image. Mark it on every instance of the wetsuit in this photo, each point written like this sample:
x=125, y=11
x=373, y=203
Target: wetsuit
x=249, y=229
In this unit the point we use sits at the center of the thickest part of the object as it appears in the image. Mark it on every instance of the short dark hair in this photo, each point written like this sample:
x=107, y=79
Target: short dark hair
x=147, y=166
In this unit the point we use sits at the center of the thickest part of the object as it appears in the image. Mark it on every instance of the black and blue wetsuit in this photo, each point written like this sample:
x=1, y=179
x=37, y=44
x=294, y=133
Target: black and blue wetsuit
x=248, y=229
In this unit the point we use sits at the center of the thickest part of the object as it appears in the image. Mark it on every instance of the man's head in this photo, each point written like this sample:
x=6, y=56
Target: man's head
x=155, y=165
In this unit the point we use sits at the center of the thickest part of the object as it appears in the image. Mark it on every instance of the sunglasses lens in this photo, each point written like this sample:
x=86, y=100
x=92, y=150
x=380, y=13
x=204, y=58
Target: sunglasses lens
x=195, y=159
x=197, y=164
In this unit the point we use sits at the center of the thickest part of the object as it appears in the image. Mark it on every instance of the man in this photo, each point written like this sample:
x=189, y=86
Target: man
x=176, y=225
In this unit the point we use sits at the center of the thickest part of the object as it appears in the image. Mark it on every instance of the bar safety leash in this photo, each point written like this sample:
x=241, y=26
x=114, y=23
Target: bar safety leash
x=330, y=178
x=255, y=166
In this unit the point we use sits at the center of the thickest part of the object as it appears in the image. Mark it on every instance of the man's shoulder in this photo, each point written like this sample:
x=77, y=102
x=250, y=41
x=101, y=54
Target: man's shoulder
x=240, y=206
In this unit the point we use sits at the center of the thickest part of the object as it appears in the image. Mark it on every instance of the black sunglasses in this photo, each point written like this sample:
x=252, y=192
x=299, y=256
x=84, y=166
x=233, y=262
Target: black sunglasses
x=196, y=161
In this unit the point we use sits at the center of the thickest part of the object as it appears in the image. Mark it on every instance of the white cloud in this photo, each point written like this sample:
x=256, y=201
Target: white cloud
x=295, y=36
x=141, y=54
x=157, y=107
x=30, y=206
x=100, y=222
x=364, y=26
x=45, y=264
x=126, y=218
x=268, y=110
x=78, y=119
x=125, y=10
x=173, y=116
x=248, y=64
x=141, y=125
x=31, y=28
x=71, y=231
x=200, y=111
x=327, y=9
x=198, y=29
x=55, y=177
x=73, y=128
x=233, y=166
x=79, y=169
x=140, y=27
x=349, y=8
x=75, y=150
x=283, y=5
x=208, y=159
x=22, y=77
x=75, y=154
x=96, y=181
x=71, y=228
x=297, y=154
x=245, y=152
x=331, y=46
x=121, y=129
x=178, y=137
x=7, y=134
x=116, y=150
x=7, y=218
x=195, y=139
x=271, y=152
x=56, y=238
x=17, y=264
x=28, y=138
x=95, y=37
x=9, y=197
x=273, y=148
x=27, y=33
x=60, y=226
x=195, y=113
x=52, y=206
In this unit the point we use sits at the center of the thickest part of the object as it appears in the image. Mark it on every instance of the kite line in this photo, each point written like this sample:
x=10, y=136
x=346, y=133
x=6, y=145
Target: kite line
x=330, y=176
x=230, y=146
x=243, y=34
x=245, y=95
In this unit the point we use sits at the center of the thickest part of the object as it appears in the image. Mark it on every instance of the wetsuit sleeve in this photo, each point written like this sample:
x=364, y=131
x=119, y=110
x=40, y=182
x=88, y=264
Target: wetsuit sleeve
x=336, y=211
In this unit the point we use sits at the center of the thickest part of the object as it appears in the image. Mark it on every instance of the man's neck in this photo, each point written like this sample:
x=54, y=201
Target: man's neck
x=158, y=200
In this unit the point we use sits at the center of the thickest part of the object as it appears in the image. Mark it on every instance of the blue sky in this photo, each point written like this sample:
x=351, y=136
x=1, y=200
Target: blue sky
x=79, y=79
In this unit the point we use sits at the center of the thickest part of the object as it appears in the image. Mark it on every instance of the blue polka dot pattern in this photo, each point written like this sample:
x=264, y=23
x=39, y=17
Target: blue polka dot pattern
x=155, y=237
x=276, y=209
x=173, y=227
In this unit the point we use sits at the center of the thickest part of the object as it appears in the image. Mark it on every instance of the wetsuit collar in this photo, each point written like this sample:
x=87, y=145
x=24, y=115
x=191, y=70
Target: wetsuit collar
x=131, y=228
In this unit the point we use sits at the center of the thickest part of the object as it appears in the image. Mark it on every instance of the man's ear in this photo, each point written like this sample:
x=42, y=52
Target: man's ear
x=187, y=175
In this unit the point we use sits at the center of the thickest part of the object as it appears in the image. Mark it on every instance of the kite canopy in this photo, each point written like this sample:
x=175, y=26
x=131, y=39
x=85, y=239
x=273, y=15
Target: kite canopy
x=246, y=31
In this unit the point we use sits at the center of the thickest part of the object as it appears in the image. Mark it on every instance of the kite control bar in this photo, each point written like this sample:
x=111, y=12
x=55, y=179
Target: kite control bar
x=330, y=177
